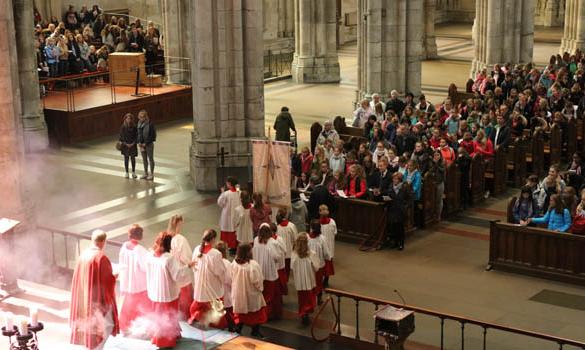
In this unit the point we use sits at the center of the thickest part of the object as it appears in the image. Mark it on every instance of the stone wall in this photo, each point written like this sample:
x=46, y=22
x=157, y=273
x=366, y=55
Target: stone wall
x=348, y=21
x=455, y=11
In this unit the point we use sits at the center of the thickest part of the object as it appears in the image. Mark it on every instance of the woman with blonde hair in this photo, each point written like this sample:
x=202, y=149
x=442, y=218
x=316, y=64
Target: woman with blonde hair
x=318, y=157
x=304, y=264
x=181, y=250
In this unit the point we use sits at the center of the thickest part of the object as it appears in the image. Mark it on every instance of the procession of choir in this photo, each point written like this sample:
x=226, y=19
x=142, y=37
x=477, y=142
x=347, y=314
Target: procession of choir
x=170, y=282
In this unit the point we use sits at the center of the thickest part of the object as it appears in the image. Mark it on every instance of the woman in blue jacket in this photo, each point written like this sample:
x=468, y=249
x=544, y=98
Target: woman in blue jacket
x=414, y=179
x=557, y=218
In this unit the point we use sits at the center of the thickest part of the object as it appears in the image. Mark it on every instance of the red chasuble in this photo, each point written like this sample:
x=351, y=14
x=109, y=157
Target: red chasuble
x=92, y=297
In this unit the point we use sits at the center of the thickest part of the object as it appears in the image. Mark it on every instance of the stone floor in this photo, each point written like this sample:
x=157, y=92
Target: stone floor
x=443, y=268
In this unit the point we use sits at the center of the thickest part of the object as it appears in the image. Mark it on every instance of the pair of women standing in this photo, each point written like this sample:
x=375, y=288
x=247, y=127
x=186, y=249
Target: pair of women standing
x=134, y=136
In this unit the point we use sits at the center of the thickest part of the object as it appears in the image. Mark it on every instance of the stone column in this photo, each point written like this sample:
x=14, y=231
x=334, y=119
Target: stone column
x=430, y=41
x=574, y=33
x=33, y=120
x=390, y=46
x=228, y=88
x=315, y=59
x=12, y=204
x=549, y=13
x=504, y=32
x=177, y=41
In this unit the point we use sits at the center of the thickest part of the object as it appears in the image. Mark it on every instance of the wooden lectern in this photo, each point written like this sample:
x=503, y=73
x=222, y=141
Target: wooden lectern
x=123, y=65
x=395, y=325
x=7, y=278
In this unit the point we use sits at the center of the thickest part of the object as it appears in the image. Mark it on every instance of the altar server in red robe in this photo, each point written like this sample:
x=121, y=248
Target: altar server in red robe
x=132, y=260
x=305, y=264
x=278, y=243
x=247, y=286
x=209, y=280
x=318, y=245
x=164, y=276
x=229, y=201
x=267, y=255
x=328, y=231
x=93, y=312
x=181, y=250
x=288, y=231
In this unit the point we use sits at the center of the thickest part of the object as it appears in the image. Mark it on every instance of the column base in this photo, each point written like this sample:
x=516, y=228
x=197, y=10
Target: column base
x=315, y=72
x=206, y=169
x=36, y=140
x=430, y=49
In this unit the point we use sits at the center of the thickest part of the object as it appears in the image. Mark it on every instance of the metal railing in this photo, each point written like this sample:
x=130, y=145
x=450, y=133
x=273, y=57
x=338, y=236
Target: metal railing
x=277, y=64
x=442, y=317
x=67, y=246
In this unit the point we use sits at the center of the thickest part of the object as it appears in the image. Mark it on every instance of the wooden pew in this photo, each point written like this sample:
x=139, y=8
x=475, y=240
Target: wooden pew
x=537, y=252
x=349, y=134
x=517, y=162
x=316, y=129
x=510, y=210
x=495, y=172
x=571, y=145
x=452, y=190
x=535, y=155
x=457, y=97
x=553, y=147
x=580, y=125
x=477, y=179
x=359, y=220
x=429, y=193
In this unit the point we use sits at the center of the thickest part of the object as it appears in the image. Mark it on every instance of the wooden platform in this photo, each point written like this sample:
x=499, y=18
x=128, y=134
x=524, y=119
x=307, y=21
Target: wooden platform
x=98, y=111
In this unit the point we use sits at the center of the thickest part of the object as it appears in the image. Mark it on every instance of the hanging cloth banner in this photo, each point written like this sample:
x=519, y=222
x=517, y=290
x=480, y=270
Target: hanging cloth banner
x=271, y=165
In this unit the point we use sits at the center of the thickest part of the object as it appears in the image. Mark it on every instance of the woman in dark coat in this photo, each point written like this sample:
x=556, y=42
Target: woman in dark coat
x=397, y=208
x=128, y=136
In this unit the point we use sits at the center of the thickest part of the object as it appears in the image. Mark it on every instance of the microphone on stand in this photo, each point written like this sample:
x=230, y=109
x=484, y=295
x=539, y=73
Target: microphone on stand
x=401, y=298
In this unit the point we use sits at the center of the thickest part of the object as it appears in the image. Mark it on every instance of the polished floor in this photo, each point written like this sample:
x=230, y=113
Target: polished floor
x=442, y=268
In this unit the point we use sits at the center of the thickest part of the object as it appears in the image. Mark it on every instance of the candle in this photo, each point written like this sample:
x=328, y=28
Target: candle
x=23, y=327
x=34, y=316
x=8, y=321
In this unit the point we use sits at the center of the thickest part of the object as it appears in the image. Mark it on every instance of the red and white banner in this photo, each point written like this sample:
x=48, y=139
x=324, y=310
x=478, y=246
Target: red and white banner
x=271, y=165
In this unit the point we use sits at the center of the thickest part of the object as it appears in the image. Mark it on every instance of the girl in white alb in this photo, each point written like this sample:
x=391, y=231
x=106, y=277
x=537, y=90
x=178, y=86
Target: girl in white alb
x=181, y=250
x=317, y=244
x=267, y=256
x=288, y=231
x=328, y=231
x=304, y=264
x=243, y=221
x=228, y=201
x=247, y=286
x=132, y=259
x=208, y=282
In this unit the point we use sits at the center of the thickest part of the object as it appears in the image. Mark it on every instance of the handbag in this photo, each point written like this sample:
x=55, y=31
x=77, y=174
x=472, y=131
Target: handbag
x=119, y=145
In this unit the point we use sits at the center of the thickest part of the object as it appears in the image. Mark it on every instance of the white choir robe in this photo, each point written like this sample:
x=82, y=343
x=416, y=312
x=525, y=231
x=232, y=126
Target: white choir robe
x=289, y=234
x=243, y=223
x=304, y=270
x=319, y=246
x=267, y=256
x=280, y=248
x=329, y=231
x=247, y=287
x=181, y=250
x=209, y=275
x=164, y=277
x=132, y=269
x=227, y=284
x=228, y=201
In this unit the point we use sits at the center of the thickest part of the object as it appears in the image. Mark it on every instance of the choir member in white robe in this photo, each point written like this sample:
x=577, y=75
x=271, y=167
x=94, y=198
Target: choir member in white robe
x=247, y=286
x=132, y=261
x=228, y=201
x=288, y=231
x=304, y=264
x=209, y=281
x=227, y=286
x=318, y=245
x=267, y=256
x=181, y=250
x=164, y=276
x=280, y=247
x=328, y=231
x=243, y=221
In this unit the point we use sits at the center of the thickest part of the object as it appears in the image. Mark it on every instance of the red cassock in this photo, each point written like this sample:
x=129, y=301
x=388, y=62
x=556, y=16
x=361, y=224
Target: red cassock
x=273, y=296
x=167, y=331
x=319, y=280
x=134, y=306
x=185, y=301
x=92, y=299
x=329, y=268
x=307, y=302
x=229, y=238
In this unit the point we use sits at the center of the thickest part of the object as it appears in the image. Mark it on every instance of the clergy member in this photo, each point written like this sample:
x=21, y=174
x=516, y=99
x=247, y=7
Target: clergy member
x=181, y=250
x=132, y=260
x=228, y=201
x=93, y=312
x=209, y=281
x=164, y=276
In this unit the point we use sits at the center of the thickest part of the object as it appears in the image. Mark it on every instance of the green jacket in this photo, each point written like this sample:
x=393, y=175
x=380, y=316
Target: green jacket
x=283, y=124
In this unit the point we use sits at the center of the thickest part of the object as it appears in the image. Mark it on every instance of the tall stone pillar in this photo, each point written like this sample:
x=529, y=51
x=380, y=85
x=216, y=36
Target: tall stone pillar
x=177, y=40
x=33, y=120
x=12, y=204
x=504, y=32
x=574, y=33
x=430, y=40
x=390, y=46
x=228, y=88
x=315, y=59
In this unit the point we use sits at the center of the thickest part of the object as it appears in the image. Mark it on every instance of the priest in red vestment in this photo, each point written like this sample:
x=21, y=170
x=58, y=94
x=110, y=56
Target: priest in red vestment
x=93, y=316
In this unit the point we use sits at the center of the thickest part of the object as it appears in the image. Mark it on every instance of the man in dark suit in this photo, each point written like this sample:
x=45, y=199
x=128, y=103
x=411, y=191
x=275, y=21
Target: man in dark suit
x=501, y=134
x=382, y=180
x=319, y=195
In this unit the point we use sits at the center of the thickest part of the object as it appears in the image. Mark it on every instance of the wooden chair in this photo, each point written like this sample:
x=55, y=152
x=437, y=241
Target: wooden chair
x=452, y=190
x=477, y=179
x=517, y=161
x=510, y=210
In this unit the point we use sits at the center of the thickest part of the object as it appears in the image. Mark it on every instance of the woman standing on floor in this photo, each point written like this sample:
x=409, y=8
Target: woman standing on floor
x=181, y=250
x=267, y=255
x=304, y=264
x=209, y=280
x=247, y=287
x=146, y=138
x=128, y=143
